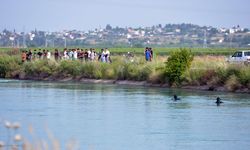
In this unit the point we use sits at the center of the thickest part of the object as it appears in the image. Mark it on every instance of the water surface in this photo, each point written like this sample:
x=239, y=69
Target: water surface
x=112, y=117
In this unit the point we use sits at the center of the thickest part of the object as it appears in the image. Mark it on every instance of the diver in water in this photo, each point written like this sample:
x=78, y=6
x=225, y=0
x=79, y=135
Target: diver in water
x=175, y=98
x=218, y=101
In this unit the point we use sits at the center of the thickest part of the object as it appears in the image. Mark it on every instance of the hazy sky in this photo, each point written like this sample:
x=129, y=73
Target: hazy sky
x=55, y=15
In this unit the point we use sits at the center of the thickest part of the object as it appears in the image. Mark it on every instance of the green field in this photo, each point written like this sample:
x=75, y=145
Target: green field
x=158, y=51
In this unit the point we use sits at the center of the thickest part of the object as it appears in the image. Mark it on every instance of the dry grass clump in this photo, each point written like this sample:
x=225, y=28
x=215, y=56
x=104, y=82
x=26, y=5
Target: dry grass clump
x=232, y=83
x=215, y=71
x=15, y=141
x=208, y=62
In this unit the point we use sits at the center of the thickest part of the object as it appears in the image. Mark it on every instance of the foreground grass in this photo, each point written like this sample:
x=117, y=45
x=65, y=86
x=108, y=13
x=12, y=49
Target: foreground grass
x=210, y=71
x=16, y=141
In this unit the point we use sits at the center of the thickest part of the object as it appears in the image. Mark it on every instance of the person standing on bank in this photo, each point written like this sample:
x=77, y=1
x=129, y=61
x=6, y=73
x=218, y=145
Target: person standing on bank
x=151, y=53
x=147, y=54
x=56, y=54
x=24, y=56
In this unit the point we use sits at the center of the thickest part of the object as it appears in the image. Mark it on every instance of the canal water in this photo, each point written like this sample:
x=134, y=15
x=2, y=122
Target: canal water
x=112, y=117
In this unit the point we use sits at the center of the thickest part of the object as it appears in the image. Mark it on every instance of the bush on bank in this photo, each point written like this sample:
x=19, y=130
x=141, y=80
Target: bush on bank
x=178, y=62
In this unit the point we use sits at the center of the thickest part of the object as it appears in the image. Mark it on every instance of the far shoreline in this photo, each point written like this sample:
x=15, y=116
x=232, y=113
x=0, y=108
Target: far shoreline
x=136, y=83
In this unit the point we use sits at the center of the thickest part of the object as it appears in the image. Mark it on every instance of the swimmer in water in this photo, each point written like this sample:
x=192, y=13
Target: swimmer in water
x=218, y=101
x=175, y=98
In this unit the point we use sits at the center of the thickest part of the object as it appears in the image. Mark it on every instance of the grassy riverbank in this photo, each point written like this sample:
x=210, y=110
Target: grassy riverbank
x=209, y=72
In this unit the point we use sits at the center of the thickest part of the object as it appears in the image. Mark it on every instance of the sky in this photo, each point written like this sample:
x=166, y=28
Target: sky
x=57, y=15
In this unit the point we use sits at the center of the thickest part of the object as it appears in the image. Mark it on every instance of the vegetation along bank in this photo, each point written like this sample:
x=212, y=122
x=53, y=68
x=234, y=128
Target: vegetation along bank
x=179, y=69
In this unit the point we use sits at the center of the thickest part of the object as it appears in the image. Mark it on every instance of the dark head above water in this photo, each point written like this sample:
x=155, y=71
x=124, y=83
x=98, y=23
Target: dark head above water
x=176, y=98
x=218, y=100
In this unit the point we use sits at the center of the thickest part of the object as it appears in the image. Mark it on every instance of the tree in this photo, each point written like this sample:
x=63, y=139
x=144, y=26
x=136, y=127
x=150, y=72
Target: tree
x=108, y=27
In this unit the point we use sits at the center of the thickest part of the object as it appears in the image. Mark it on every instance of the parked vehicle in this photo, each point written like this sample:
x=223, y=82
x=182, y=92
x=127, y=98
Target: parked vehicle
x=240, y=56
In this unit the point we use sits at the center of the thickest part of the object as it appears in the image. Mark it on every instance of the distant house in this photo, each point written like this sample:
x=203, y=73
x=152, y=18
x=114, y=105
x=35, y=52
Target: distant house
x=232, y=31
x=129, y=36
x=222, y=30
x=177, y=30
x=221, y=40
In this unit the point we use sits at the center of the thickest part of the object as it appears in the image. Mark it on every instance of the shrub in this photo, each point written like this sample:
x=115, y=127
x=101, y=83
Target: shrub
x=178, y=62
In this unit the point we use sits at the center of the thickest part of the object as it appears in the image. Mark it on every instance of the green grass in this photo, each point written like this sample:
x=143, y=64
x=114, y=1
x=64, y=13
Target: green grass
x=167, y=51
x=157, y=51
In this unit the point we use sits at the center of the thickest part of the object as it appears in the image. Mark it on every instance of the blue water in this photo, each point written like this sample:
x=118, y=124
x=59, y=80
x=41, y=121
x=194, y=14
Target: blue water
x=112, y=117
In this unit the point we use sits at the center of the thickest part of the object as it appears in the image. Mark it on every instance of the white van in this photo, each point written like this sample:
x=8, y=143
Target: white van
x=240, y=56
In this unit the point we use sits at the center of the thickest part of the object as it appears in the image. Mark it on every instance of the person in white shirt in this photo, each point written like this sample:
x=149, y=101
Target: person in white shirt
x=65, y=54
x=48, y=54
x=92, y=55
x=107, y=55
x=103, y=56
x=74, y=54
x=89, y=52
x=71, y=54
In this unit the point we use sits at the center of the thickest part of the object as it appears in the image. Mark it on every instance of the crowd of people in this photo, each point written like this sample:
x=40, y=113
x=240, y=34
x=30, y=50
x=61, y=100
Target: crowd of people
x=77, y=54
x=68, y=54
